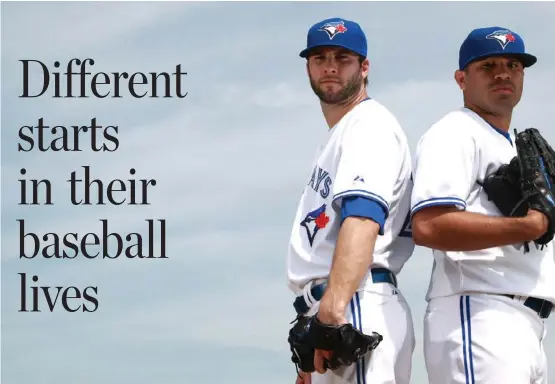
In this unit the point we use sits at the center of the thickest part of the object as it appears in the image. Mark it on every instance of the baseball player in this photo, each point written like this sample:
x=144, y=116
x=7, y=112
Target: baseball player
x=351, y=234
x=489, y=293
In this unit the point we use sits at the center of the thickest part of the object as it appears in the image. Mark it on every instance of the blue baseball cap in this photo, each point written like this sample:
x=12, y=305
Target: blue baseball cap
x=493, y=41
x=336, y=32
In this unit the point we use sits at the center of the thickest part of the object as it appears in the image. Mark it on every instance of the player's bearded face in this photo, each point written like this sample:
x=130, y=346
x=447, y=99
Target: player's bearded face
x=337, y=93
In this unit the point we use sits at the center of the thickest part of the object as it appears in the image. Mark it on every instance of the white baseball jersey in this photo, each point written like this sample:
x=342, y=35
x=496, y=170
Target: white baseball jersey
x=456, y=152
x=366, y=154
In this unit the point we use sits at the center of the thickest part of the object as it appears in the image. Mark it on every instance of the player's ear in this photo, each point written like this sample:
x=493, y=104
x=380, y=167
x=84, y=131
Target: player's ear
x=365, y=67
x=460, y=79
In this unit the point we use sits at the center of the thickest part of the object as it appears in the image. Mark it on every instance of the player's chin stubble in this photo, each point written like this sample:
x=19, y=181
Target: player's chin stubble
x=503, y=104
x=342, y=96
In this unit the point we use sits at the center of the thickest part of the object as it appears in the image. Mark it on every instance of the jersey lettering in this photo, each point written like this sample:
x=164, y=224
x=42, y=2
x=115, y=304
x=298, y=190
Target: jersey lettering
x=406, y=230
x=320, y=181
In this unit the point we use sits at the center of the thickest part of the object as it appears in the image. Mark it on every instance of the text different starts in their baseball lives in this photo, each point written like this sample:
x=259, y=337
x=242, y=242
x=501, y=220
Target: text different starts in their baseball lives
x=81, y=186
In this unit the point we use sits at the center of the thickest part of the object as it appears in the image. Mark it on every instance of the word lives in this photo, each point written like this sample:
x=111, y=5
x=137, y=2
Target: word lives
x=70, y=298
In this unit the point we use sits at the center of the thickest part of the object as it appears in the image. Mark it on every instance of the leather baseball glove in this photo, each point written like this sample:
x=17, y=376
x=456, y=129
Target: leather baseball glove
x=527, y=182
x=537, y=176
x=503, y=188
x=347, y=343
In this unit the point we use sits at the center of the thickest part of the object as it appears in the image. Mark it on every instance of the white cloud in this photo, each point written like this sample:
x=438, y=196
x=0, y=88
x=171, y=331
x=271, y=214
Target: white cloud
x=82, y=27
x=281, y=95
x=238, y=316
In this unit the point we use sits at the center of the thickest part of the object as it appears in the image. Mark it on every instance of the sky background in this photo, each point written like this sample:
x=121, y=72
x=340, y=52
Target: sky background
x=230, y=161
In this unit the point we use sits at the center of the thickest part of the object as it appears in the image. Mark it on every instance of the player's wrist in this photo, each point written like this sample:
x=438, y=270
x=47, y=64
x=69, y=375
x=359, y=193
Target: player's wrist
x=535, y=224
x=331, y=318
x=332, y=314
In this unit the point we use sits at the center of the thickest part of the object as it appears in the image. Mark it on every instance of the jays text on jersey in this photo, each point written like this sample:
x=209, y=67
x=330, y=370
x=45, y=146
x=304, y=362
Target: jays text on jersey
x=367, y=155
x=452, y=157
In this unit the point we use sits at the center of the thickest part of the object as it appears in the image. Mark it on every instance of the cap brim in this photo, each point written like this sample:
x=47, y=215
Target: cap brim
x=527, y=59
x=305, y=52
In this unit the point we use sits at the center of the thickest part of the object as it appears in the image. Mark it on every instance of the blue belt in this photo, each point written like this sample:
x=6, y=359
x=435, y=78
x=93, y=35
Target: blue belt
x=379, y=275
x=540, y=306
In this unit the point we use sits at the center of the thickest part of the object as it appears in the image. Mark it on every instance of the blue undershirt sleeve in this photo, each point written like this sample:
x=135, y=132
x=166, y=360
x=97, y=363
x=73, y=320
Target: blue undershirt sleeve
x=363, y=207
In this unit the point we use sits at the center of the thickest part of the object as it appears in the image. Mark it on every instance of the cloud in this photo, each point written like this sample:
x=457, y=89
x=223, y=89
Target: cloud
x=281, y=95
x=259, y=299
x=82, y=27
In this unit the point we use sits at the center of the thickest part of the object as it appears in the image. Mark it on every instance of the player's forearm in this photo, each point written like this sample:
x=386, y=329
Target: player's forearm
x=352, y=259
x=468, y=231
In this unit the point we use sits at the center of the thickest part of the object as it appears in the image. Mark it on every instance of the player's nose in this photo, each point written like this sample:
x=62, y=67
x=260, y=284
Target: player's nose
x=330, y=65
x=502, y=72
x=503, y=75
x=330, y=68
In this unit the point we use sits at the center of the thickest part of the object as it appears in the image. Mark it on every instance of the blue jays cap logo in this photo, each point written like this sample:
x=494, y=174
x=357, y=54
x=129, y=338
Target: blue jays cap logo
x=314, y=221
x=333, y=28
x=503, y=37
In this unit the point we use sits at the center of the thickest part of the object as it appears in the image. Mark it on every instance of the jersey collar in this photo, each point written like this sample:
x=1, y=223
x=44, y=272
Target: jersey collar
x=503, y=133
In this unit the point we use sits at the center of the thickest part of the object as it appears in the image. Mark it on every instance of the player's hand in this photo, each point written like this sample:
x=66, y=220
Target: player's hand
x=333, y=317
x=303, y=378
x=320, y=357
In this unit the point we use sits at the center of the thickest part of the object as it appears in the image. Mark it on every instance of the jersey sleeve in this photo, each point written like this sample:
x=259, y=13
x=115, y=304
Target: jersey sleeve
x=368, y=164
x=444, y=170
x=363, y=207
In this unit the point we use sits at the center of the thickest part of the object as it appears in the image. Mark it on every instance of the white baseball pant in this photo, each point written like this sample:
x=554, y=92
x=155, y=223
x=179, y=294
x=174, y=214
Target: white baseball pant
x=383, y=310
x=483, y=338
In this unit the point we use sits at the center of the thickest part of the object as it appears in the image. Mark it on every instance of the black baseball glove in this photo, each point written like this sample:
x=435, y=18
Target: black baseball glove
x=503, y=188
x=537, y=176
x=347, y=343
x=527, y=182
